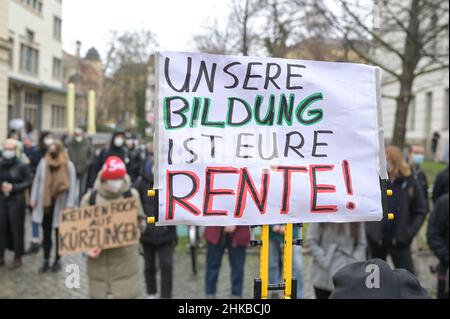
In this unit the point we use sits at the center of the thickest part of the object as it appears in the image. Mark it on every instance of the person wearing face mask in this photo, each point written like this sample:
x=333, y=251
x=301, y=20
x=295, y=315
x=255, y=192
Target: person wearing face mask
x=116, y=148
x=157, y=242
x=416, y=157
x=134, y=155
x=113, y=272
x=53, y=190
x=15, y=178
x=45, y=140
x=408, y=204
x=81, y=153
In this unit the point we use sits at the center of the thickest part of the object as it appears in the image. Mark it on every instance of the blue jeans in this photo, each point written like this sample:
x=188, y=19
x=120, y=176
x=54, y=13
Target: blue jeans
x=35, y=227
x=214, y=256
x=275, y=256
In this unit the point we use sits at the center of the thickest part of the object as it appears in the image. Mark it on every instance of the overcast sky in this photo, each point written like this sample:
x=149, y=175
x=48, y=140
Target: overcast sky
x=173, y=21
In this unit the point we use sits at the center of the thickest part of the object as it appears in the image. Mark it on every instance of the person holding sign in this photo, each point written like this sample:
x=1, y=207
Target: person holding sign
x=53, y=190
x=235, y=239
x=157, y=242
x=113, y=271
x=408, y=204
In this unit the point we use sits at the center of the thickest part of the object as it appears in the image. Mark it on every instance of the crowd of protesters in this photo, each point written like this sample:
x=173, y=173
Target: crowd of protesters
x=57, y=174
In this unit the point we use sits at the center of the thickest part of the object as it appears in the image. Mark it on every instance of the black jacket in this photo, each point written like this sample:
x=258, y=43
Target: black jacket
x=104, y=154
x=437, y=234
x=19, y=175
x=153, y=235
x=411, y=212
x=440, y=185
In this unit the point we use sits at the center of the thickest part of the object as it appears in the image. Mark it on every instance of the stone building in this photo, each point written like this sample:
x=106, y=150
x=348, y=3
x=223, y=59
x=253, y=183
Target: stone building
x=35, y=92
x=87, y=73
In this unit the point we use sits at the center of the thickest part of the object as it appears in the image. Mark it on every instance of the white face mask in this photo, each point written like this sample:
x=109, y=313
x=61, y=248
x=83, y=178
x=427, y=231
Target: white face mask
x=118, y=141
x=48, y=141
x=114, y=185
x=8, y=154
x=78, y=138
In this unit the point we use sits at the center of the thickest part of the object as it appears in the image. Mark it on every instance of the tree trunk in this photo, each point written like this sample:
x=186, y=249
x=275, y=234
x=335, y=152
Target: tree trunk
x=401, y=114
x=411, y=58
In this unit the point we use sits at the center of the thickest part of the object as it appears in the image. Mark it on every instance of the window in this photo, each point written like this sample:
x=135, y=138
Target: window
x=29, y=59
x=31, y=107
x=57, y=69
x=58, y=116
x=35, y=5
x=30, y=36
x=446, y=113
x=428, y=113
x=57, y=23
x=10, y=53
x=411, y=121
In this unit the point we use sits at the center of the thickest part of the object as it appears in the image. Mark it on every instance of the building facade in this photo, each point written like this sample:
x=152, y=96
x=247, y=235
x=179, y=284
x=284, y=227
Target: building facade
x=4, y=54
x=428, y=111
x=87, y=73
x=35, y=90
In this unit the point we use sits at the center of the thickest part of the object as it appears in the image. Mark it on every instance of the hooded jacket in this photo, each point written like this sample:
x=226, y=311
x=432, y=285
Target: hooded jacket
x=374, y=279
x=113, y=150
x=115, y=271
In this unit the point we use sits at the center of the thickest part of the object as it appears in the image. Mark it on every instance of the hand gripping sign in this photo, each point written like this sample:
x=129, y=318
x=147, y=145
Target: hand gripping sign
x=253, y=141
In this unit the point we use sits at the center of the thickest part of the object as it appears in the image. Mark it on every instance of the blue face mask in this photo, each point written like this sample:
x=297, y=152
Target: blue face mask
x=417, y=159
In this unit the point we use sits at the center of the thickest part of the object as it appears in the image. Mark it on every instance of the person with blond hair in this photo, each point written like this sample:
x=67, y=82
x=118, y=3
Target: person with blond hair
x=15, y=178
x=409, y=206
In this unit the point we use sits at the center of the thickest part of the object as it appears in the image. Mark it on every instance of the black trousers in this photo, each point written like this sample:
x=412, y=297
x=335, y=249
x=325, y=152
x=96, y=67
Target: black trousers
x=401, y=257
x=442, y=286
x=165, y=256
x=322, y=293
x=12, y=227
x=47, y=242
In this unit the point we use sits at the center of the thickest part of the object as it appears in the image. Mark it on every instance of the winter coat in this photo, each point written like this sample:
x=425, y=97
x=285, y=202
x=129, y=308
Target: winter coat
x=152, y=235
x=81, y=154
x=104, y=154
x=63, y=201
x=115, y=271
x=437, y=234
x=135, y=163
x=333, y=249
x=240, y=237
x=20, y=176
x=410, y=212
x=440, y=185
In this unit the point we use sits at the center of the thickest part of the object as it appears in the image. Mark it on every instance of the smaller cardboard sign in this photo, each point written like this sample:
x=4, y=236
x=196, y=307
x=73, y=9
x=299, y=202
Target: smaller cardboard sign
x=109, y=225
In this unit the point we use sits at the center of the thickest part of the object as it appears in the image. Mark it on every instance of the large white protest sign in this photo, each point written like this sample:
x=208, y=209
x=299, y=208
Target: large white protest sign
x=253, y=141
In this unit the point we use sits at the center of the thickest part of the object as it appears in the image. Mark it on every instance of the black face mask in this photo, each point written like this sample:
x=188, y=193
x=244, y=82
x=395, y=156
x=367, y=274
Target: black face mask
x=54, y=155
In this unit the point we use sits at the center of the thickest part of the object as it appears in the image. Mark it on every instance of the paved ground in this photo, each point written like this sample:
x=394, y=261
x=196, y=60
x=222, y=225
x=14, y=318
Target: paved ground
x=28, y=283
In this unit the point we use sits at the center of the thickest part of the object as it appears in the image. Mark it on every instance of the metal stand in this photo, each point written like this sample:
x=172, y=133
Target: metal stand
x=261, y=286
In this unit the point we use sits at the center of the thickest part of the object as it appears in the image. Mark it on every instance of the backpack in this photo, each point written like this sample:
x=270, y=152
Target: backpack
x=93, y=196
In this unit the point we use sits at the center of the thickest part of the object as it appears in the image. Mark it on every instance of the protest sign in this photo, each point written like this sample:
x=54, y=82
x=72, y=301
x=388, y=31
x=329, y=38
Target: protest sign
x=253, y=141
x=109, y=225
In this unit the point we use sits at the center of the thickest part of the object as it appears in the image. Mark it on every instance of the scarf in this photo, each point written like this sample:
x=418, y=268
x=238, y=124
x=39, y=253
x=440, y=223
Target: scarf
x=57, y=178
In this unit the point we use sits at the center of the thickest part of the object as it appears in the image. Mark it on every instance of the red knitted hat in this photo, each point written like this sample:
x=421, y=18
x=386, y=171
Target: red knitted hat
x=114, y=168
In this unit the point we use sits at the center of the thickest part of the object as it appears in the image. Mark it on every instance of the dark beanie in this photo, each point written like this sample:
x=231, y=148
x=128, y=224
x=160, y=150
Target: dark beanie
x=350, y=282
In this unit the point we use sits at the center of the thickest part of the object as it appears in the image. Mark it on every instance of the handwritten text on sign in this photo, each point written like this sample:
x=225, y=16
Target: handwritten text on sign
x=253, y=141
x=109, y=225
